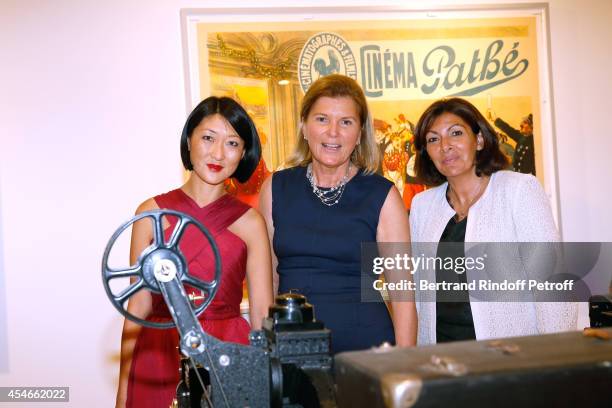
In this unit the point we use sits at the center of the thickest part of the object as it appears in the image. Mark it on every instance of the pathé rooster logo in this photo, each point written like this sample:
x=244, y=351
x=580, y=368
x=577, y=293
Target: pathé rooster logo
x=325, y=54
x=332, y=66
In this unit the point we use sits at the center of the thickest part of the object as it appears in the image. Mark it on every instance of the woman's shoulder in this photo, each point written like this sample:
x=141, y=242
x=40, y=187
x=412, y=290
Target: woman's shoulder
x=147, y=205
x=373, y=178
x=429, y=194
x=287, y=176
x=286, y=179
x=509, y=176
x=512, y=180
x=519, y=191
x=168, y=199
x=250, y=226
x=372, y=182
x=289, y=172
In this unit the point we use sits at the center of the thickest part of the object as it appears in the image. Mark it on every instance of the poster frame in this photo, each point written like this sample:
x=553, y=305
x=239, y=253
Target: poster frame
x=190, y=17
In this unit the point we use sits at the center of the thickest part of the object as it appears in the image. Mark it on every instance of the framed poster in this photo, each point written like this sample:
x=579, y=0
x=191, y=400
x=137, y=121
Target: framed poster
x=496, y=56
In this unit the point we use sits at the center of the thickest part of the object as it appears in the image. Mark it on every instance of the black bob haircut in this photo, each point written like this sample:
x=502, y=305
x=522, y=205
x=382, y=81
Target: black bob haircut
x=240, y=121
x=488, y=160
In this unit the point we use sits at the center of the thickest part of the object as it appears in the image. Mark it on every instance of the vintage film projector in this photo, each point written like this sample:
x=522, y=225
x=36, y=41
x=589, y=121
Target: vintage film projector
x=289, y=364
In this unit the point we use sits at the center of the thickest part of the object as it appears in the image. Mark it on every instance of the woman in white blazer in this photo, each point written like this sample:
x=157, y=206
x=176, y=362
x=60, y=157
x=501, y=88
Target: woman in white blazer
x=475, y=200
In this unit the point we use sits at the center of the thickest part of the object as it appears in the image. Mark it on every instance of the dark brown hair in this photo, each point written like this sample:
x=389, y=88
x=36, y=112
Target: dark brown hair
x=488, y=160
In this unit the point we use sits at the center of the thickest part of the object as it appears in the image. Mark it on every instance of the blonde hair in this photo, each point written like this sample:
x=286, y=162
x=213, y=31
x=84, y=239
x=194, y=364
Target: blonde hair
x=366, y=154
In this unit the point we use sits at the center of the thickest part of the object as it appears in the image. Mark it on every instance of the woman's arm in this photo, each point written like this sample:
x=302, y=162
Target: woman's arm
x=531, y=212
x=259, y=266
x=393, y=227
x=534, y=222
x=139, y=304
x=265, y=206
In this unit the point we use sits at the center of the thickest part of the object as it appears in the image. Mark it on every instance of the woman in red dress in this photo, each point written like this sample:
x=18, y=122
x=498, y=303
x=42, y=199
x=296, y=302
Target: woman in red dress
x=219, y=141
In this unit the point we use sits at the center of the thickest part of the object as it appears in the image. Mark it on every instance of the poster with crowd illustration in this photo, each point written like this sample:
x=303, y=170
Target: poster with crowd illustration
x=403, y=66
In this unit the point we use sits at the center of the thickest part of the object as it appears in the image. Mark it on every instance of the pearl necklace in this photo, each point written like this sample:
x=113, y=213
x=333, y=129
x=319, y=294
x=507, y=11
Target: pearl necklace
x=332, y=195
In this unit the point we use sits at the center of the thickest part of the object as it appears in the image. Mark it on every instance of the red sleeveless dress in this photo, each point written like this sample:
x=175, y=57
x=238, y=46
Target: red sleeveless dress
x=154, y=372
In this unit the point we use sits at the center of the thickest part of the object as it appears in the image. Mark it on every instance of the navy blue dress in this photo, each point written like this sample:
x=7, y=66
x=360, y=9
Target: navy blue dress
x=319, y=253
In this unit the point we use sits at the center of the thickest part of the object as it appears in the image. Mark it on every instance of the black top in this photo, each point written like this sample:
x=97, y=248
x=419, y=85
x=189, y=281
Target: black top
x=453, y=312
x=319, y=253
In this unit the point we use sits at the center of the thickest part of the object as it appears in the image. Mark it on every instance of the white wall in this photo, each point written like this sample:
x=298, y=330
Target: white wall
x=3, y=312
x=91, y=105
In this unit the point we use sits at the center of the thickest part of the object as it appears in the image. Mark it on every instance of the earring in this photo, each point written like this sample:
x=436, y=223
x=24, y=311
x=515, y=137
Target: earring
x=301, y=129
x=479, y=141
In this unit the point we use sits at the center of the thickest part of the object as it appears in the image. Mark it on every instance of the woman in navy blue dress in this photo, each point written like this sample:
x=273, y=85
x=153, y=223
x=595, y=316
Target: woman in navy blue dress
x=324, y=206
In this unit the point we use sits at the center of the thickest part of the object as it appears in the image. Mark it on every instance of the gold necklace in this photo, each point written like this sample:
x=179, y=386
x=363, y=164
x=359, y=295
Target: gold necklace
x=460, y=215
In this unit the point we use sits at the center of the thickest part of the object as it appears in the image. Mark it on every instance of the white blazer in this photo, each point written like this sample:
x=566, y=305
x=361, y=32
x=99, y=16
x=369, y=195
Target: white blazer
x=513, y=208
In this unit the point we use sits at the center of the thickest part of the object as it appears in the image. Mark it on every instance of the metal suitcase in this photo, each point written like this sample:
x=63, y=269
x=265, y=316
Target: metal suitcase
x=555, y=370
